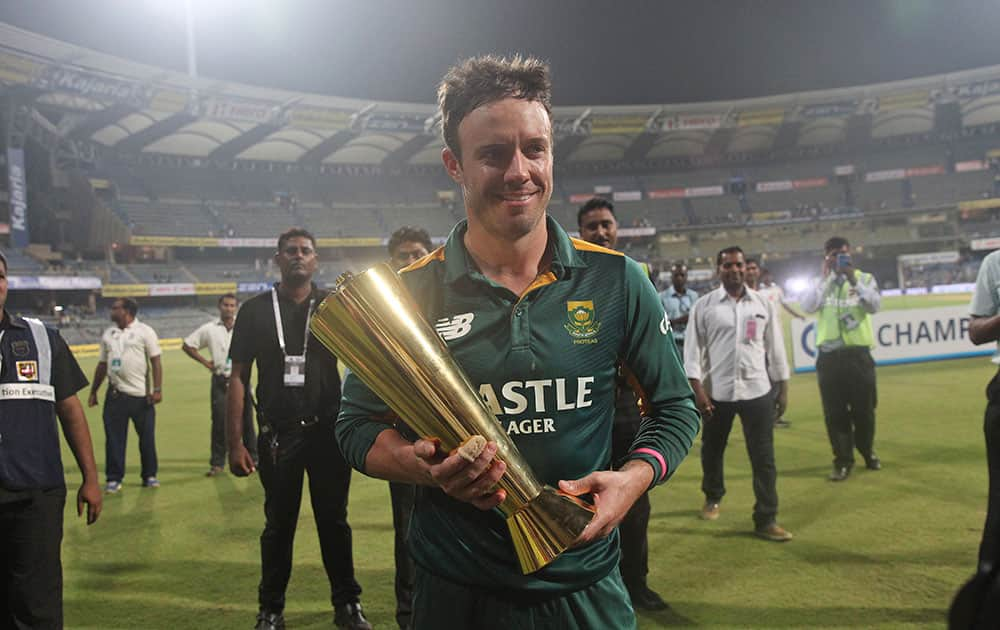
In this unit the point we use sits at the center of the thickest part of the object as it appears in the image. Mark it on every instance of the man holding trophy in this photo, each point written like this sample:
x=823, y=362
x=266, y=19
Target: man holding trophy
x=537, y=324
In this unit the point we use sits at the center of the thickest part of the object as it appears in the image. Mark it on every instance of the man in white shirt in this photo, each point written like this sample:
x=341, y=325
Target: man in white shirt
x=733, y=350
x=128, y=349
x=216, y=335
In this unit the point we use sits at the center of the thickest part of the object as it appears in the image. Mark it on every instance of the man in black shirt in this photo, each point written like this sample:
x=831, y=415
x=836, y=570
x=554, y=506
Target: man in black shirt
x=298, y=397
x=40, y=379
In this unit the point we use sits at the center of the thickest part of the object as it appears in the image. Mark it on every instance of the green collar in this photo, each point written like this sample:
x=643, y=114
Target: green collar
x=459, y=264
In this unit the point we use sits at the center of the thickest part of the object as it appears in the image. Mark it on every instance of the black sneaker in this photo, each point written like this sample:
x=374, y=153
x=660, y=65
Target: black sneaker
x=350, y=616
x=781, y=423
x=645, y=598
x=840, y=473
x=269, y=621
x=873, y=463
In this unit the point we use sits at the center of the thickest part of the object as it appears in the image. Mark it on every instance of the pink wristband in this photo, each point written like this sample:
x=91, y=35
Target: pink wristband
x=655, y=455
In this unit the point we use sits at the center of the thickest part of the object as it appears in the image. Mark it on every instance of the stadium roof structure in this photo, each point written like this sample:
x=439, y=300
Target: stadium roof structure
x=132, y=109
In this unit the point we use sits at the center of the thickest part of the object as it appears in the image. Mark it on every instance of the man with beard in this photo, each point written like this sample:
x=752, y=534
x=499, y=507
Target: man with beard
x=128, y=349
x=298, y=395
x=599, y=225
x=529, y=311
x=733, y=351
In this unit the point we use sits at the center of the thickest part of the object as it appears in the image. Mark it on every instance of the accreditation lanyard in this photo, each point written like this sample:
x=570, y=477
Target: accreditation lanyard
x=295, y=365
x=117, y=350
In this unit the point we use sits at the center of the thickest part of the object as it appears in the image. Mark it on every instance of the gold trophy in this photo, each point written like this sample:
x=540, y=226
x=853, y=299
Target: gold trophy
x=372, y=324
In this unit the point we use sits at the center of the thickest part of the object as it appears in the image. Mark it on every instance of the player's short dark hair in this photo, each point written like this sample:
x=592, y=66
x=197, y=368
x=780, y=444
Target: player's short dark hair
x=487, y=79
x=228, y=295
x=732, y=249
x=594, y=203
x=752, y=260
x=293, y=233
x=130, y=305
x=834, y=243
x=3, y=259
x=409, y=234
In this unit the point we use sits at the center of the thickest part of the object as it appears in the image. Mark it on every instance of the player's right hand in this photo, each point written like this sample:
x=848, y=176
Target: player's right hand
x=240, y=462
x=705, y=406
x=472, y=482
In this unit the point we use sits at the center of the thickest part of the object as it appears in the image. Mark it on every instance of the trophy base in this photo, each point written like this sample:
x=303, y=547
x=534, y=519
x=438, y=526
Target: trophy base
x=546, y=526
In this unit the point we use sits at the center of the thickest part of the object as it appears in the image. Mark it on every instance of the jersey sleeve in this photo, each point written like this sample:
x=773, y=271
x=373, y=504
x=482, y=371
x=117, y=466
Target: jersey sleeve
x=356, y=428
x=670, y=419
x=985, y=298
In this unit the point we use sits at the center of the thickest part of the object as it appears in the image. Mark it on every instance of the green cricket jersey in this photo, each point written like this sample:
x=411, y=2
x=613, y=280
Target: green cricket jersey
x=545, y=362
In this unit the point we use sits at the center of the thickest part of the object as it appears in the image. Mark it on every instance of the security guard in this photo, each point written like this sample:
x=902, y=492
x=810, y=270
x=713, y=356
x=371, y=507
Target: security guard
x=846, y=298
x=39, y=379
x=539, y=322
x=298, y=395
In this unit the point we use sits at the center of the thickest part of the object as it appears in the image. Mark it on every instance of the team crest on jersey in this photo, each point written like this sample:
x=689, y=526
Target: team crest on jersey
x=27, y=370
x=581, y=321
x=454, y=327
x=20, y=348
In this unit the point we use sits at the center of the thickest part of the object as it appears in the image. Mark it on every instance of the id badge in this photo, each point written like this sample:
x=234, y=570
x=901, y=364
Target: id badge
x=751, y=330
x=116, y=365
x=295, y=371
x=228, y=370
x=848, y=321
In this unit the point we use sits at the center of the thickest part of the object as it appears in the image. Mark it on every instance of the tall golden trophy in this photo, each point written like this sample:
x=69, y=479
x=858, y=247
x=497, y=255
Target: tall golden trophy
x=372, y=324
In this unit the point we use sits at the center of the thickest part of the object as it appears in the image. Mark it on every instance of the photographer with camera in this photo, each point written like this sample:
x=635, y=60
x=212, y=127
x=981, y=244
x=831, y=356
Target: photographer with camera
x=845, y=299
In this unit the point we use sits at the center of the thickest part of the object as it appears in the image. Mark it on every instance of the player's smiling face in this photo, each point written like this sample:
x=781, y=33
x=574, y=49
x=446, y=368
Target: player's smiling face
x=505, y=169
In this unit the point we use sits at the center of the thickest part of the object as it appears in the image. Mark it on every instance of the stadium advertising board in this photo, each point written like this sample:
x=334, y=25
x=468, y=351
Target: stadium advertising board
x=580, y=197
x=980, y=244
x=902, y=336
x=680, y=193
x=16, y=69
x=979, y=204
x=125, y=290
x=319, y=118
x=608, y=125
x=171, y=288
x=627, y=195
x=214, y=288
x=17, y=197
x=410, y=123
x=904, y=100
x=767, y=117
x=810, y=182
x=692, y=122
x=62, y=79
x=237, y=109
x=53, y=283
x=971, y=166
x=829, y=110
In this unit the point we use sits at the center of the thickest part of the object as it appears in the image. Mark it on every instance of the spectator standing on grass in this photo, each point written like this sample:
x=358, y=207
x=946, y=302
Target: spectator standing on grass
x=298, y=396
x=130, y=350
x=40, y=378
x=733, y=351
x=845, y=298
x=216, y=336
x=677, y=301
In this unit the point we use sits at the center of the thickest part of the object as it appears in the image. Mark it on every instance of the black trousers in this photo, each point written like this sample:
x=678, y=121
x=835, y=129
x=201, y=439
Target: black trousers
x=285, y=456
x=989, y=549
x=757, y=417
x=220, y=384
x=402, y=495
x=119, y=408
x=847, y=387
x=634, y=563
x=31, y=533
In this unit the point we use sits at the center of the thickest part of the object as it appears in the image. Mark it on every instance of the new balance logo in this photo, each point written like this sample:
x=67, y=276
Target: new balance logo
x=454, y=327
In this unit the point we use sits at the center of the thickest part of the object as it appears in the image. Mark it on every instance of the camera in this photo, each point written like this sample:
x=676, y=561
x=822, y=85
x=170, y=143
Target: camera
x=843, y=261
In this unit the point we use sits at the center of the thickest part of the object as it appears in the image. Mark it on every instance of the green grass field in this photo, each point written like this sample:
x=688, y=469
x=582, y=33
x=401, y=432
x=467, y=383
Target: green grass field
x=885, y=549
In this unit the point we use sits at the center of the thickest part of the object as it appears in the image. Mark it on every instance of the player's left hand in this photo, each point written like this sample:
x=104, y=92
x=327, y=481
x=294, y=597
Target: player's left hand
x=614, y=492
x=780, y=404
x=155, y=398
x=89, y=493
